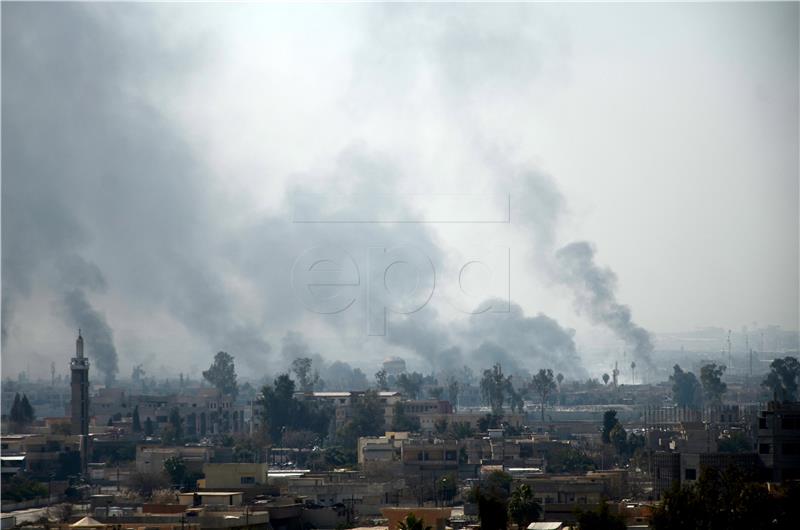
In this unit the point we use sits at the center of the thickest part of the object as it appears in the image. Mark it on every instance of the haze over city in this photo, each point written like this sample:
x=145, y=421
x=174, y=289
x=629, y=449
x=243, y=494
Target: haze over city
x=390, y=266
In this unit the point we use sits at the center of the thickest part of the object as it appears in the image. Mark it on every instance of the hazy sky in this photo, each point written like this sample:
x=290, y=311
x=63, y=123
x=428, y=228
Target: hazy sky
x=157, y=158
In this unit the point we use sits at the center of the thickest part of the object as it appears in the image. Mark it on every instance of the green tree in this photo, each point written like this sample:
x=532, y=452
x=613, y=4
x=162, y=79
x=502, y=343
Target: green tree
x=436, y=392
x=410, y=384
x=402, y=421
x=382, y=380
x=619, y=438
x=28, y=414
x=222, y=374
x=412, y=522
x=492, y=498
x=711, y=379
x=686, y=389
x=175, y=468
x=726, y=500
x=522, y=508
x=601, y=519
x=20, y=488
x=606, y=377
x=494, y=386
x=149, y=428
x=460, y=430
x=137, y=422
x=15, y=414
x=305, y=377
x=609, y=422
x=782, y=378
x=173, y=432
x=367, y=418
x=543, y=384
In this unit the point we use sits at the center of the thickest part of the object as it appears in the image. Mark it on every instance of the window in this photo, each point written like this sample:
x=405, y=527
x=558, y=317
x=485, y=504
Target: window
x=791, y=448
x=247, y=480
x=764, y=449
x=762, y=423
x=690, y=474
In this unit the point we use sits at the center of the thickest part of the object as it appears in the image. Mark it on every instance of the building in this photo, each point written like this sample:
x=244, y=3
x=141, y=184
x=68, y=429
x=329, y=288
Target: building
x=150, y=459
x=79, y=405
x=343, y=404
x=779, y=440
x=234, y=475
x=394, y=366
x=685, y=468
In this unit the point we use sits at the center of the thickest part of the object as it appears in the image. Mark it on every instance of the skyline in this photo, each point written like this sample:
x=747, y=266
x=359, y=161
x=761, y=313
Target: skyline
x=151, y=169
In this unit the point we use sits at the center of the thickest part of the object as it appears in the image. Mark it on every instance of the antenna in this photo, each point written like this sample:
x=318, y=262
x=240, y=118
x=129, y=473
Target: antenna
x=729, y=348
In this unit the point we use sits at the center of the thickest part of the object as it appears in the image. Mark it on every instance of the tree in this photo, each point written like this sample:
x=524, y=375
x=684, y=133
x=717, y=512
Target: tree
x=602, y=519
x=175, y=467
x=410, y=384
x=222, y=374
x=727, y=499
x=619, y=438
x=711, y=379
x=494, y=386
x=686, y=389
x=609, y=422
x=302, y=369
x=15, y=414
x=606, y=377
x=492, y=498
x=280, y=412
x=559, y=379
x=146, y=483
x=149, y=428
x=173, y=432
x=412, y=522
x=633, y=372
x=28, y=414
x=402, y=421
x=20, y=488
x=543, y=384
x=367, y=418
x=522, y=508
x=137, y=422
x=782, y=378
x=382, y=380
x=436, y=392
x=460, y=430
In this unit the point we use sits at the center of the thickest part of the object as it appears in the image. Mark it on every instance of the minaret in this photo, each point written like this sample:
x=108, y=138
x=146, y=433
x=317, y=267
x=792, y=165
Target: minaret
x=79, y=368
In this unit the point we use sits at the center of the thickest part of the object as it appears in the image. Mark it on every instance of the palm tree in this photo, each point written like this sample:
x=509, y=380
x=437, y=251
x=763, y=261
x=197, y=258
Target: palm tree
x=522, y=508
x=412, y=522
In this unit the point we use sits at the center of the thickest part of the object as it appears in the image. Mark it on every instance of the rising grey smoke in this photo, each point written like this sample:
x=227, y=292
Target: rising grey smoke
x=540, y=206
x=595, y=294
x=97, y=333
x=78, y=277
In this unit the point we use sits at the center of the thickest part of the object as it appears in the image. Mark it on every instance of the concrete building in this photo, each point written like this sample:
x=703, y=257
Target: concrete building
x=779, y=440
x=150, y=459
x=343, y=404
x=394, y=366
x=234, y=475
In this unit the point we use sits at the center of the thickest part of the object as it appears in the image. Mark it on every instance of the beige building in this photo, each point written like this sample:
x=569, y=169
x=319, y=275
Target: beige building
x=234, y=475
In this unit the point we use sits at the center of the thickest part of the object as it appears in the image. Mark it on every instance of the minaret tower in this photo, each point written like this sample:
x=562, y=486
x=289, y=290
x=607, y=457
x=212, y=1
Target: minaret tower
x=79, y=368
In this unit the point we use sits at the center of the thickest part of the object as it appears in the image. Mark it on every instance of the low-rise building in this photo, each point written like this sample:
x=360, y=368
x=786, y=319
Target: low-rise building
x=234, y=475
